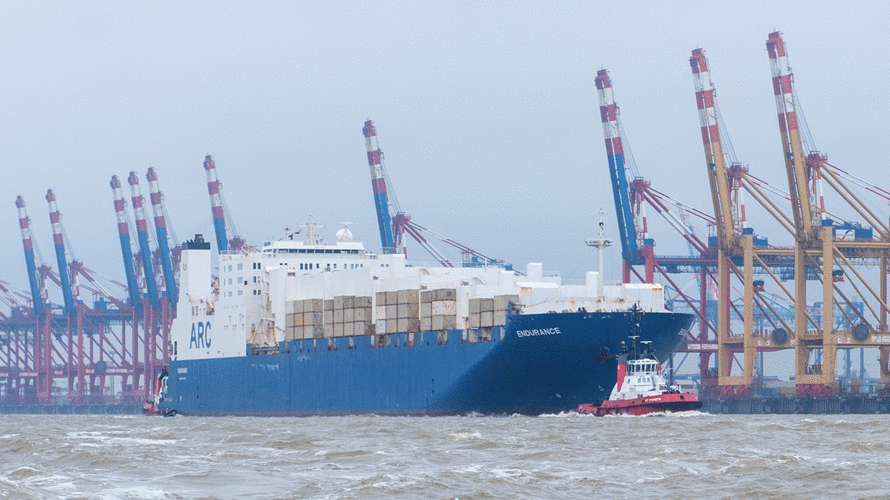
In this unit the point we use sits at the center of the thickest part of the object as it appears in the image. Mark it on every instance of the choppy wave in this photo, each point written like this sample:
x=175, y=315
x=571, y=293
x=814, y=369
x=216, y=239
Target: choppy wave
x=567, y=455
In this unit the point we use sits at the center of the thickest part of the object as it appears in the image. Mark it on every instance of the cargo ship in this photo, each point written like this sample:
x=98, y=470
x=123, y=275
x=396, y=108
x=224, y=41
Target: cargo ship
x=301, y=327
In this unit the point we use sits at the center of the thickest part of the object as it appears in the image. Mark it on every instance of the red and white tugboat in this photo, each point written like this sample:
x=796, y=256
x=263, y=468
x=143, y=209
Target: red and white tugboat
x=641, y=389
x=151, y=406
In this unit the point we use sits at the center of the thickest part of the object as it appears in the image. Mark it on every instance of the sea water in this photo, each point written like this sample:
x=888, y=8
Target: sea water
x=686, y=455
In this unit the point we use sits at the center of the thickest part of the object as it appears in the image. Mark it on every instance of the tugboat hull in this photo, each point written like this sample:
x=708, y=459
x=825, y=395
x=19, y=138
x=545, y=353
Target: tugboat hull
x=665, y=403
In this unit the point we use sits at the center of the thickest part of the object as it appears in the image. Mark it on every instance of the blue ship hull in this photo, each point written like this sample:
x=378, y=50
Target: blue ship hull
x=537, y=363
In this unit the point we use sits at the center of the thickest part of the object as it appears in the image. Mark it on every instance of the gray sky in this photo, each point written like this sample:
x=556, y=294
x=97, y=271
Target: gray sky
x=487, y=113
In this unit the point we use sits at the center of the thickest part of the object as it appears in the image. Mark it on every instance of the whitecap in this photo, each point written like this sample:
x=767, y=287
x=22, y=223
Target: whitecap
x=464, y=436
x=562, y=414
x=146, y=493
x=507, y=473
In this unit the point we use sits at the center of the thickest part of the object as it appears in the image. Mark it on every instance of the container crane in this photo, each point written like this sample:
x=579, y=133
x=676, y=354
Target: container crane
x=728, y=228
x=633, y=192
x=727, y=220
x=739, y=253
x=803, y=207
x=161, y=229
x=142, y=234
x=226, y=236
x=123, y=228
x=378, y=184
x=30, y=248
x=55, y=219
x=394, y=223
x=818, y=251
x=636, y=248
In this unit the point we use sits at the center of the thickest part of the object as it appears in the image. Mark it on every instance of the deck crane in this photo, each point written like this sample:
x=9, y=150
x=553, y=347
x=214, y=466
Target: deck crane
x=37, y=291
x=161, y=228
x=394, y=223
x=123, y=227
x=226, y=236
x=142, y=234
x=55, y=219
x=627, y=186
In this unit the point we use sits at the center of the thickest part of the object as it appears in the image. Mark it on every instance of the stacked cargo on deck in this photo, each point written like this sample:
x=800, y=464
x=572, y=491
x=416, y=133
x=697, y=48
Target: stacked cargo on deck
x=304, y=319
x=343, y=316
x=439, y=309
x=400, y=311
x=485, y=313
x=349, y=316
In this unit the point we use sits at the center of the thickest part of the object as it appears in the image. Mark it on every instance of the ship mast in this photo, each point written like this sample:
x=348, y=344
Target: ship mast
x=600, y=244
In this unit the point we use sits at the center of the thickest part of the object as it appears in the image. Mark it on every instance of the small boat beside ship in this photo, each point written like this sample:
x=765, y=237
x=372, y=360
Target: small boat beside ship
x=641, y=388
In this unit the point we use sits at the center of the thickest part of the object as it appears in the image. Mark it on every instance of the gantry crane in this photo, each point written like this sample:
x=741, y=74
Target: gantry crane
x=55, y=219
x=729, y=230
x=740, y=253
x=143, y=237
x=818, y=252
x=164, y=252
x=627, y=191
x=37, y=291
x=378, y=185
x=123, y=227
x=227, y=238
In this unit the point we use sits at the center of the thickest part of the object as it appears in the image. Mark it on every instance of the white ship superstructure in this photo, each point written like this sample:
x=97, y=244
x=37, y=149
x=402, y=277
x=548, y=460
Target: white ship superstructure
x=262, y=298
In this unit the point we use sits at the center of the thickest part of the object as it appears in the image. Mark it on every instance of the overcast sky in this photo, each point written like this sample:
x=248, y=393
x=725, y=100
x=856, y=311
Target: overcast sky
x=487, y=113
